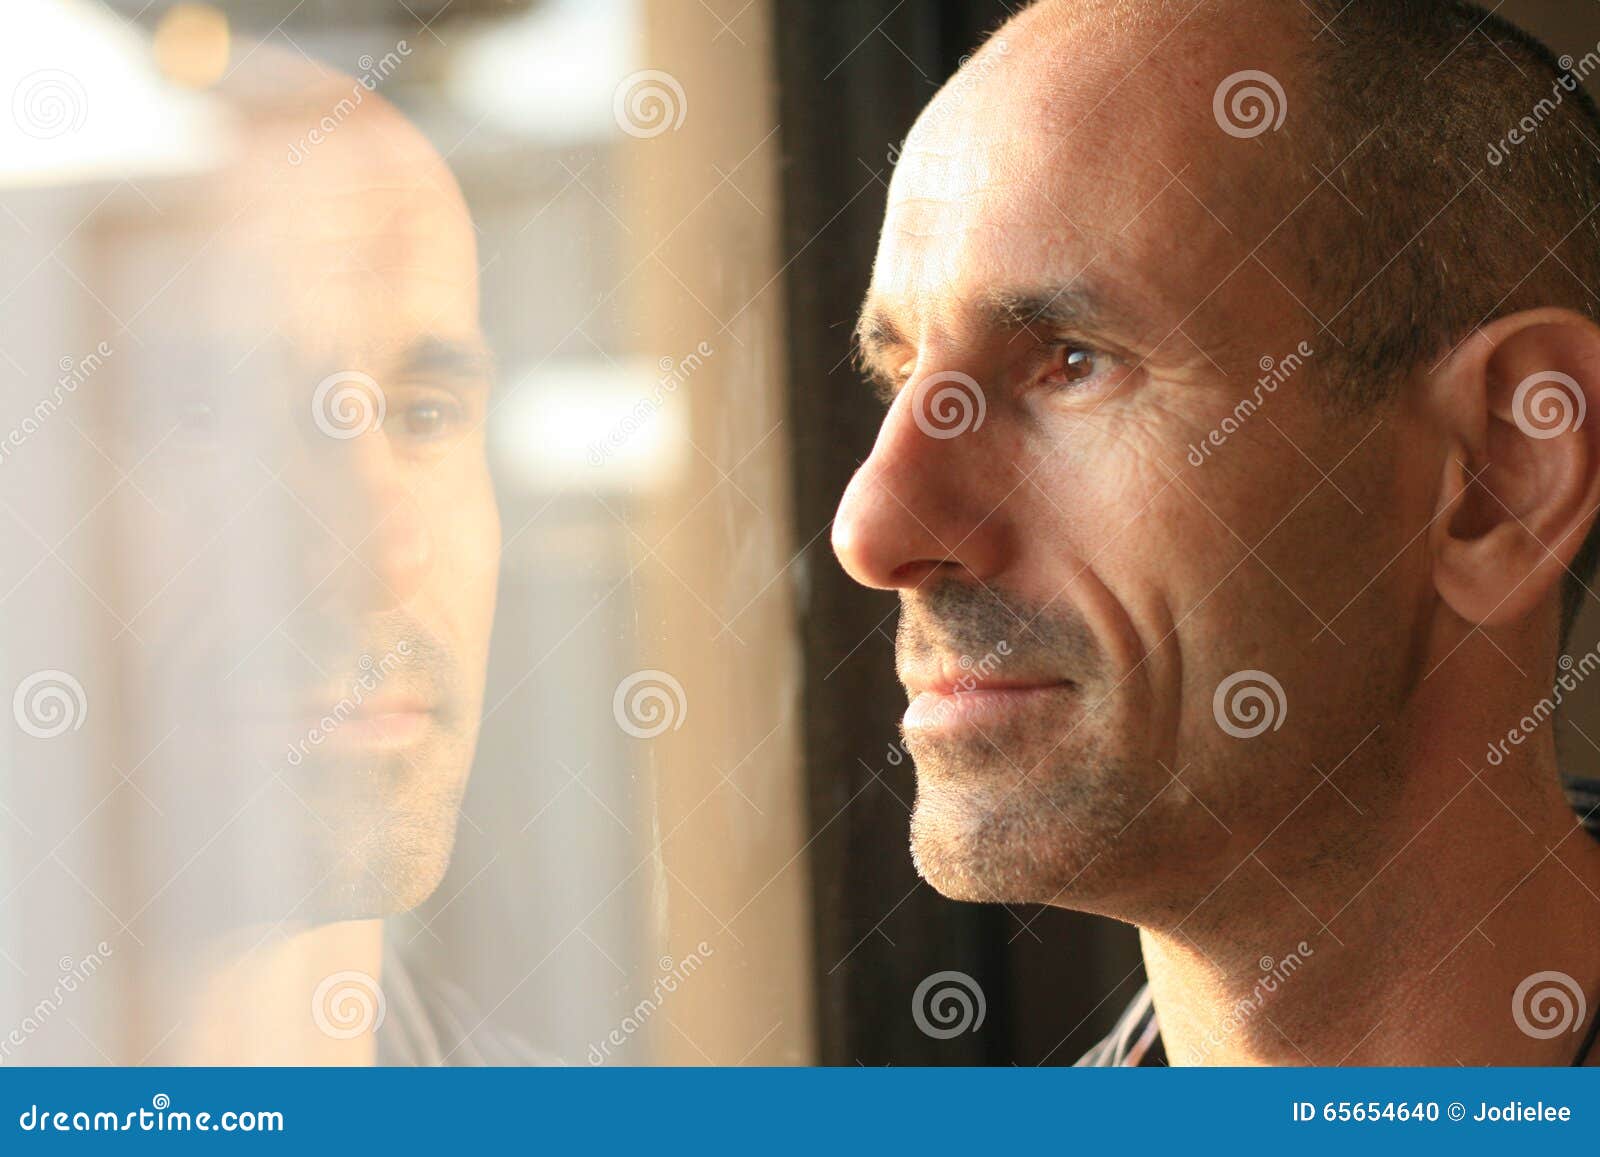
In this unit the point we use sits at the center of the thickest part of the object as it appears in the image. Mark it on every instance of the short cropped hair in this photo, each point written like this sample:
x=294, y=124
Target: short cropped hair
x=1473, y=155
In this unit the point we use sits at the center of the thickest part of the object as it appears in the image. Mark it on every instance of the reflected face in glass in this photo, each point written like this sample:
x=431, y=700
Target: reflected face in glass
x=317, y=537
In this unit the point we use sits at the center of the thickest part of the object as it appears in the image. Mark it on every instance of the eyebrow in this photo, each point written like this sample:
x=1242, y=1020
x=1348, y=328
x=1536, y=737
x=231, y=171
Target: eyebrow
x=1068, y=308
x=1072, y=308
x=447, y=357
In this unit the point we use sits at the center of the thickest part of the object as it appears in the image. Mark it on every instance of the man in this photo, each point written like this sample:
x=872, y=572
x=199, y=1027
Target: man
x=1236, y=488
x=341, y=454
x=300, y=576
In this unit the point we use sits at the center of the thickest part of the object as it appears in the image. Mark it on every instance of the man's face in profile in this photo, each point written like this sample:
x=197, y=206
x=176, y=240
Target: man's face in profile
x=1071, y=292
x=316, y=530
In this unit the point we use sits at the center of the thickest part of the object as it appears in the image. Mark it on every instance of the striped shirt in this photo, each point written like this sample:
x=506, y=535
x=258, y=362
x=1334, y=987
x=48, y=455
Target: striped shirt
x=430, y=1022
x=1135, y=1042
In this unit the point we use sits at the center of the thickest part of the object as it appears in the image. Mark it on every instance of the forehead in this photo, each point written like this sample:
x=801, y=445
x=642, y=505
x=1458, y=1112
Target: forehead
x=357, y=244
x=1064, y=150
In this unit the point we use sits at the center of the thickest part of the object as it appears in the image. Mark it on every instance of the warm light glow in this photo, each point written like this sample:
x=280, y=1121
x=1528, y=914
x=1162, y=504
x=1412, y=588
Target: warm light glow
x=87, y=103
x=191, y=45
x=592, y=425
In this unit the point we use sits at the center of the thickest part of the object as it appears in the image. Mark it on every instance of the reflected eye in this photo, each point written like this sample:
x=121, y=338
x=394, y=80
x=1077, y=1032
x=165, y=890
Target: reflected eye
x=429, y=420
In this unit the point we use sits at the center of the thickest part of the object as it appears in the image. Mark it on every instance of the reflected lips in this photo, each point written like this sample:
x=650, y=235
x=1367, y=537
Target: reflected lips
x=383, y=722
x=387, y=730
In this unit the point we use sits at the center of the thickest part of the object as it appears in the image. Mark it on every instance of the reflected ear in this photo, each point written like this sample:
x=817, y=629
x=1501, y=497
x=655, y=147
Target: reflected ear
x=1520, y=403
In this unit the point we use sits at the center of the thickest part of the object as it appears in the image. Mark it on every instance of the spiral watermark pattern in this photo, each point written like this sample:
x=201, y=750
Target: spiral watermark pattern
x=1250, y=103
x=948, y=1004
x=49, y=703
x=1248, y=703
x=348, y=1004
x=348, y=404
x=49, y=103
x=1547, y=1004
x=649, y=103
x=1548, y=405
x=648, y=703
x=948, y=404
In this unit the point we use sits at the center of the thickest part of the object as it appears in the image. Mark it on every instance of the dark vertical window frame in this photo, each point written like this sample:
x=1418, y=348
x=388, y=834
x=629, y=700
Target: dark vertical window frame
x=852, y=76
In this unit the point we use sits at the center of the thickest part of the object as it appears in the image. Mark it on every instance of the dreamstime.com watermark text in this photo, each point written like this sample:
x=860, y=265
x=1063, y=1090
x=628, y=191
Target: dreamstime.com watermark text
x=1274, y=975
x=372, y=674
x=1569, y=83
x=1273, y=375
x=1573, y=672
x=73, y=974
x=673, y=374
x=372, y=72
x=73, y=374
x=673, y=974
x=160, y=1117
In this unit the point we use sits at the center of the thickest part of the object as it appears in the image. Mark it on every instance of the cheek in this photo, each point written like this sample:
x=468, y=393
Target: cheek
x=1292, y=587
x=1116, y=496
x=464, y=517
x=1161, y=560
x=1102, y=547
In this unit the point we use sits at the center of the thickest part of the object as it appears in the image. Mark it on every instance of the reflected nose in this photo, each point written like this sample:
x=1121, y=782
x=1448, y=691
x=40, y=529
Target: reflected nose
x=376, y=548
x=930, y=499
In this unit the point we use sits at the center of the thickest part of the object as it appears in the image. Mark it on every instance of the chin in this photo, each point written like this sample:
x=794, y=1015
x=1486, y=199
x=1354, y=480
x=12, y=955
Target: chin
x=394, y=869
x=385, y=836
x=984, y=831
x=985, y=846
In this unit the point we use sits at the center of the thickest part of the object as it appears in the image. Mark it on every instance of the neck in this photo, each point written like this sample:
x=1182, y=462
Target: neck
x=1471, y=878
x=264, y=997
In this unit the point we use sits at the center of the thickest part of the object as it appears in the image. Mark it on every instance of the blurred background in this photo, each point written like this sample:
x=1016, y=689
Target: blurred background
x=683, y=840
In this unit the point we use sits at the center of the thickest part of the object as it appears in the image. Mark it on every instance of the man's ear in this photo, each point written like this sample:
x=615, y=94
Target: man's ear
x=1520, y=402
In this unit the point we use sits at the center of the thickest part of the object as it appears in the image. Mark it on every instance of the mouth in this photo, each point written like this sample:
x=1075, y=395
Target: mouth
x=336, y=724
x=380, y=723
x=940, y=704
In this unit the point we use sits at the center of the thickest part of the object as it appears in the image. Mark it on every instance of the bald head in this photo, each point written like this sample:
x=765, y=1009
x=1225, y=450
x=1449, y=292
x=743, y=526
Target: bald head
x=1401, y=201
x=1394, y=152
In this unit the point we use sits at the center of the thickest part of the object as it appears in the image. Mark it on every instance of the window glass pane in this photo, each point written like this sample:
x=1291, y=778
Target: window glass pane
x=398, y=612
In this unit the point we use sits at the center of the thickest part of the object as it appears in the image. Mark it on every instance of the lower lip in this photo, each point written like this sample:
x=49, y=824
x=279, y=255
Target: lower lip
x=982, y=708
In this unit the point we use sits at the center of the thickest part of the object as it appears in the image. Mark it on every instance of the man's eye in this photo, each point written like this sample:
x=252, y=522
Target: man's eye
x=1074, y=365
x=888, y=382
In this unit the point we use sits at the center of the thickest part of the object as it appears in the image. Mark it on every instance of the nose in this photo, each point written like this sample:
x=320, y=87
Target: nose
x=930, y=500
x=378, y=547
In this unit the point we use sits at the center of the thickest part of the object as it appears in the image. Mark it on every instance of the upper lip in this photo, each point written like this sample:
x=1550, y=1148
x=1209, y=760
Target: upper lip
x=370, y=706
x=951, y=678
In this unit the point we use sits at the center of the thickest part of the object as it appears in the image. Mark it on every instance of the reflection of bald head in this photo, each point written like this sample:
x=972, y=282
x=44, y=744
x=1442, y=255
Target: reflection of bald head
x=340, y=204
x=301, y=119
